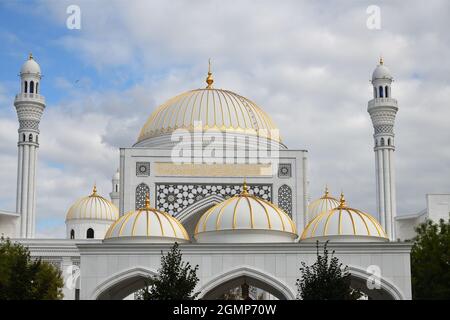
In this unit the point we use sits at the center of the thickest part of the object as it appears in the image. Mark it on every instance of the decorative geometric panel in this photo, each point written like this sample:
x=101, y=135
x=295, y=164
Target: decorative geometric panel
x=29, y=124
x=141, y=193
x=384, y=129
x=284, y=170
x=173, y=198
x=285, y=199
x=142, y=169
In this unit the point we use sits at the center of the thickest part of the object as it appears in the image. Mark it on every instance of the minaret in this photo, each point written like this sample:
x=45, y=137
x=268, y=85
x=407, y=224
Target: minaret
x=382, y=109
x=114, y=194
x=29, y=106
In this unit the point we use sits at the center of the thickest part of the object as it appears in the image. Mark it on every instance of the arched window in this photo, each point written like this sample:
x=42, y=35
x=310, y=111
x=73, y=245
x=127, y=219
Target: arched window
x=72, y=234
x=117, y=188
x=30, y=138
x=31, y=87
x=26, y=87
x=37, y=87
x=141, y=193
x=386, y=92
x=37, y=138
x=382, y=141
x=285, y=199
x=380, y=89
x=24, y=137
x=90, y=233
x=389, y=141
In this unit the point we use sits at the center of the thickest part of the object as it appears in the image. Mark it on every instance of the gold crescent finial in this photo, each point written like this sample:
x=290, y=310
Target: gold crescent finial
x=342, y=203
x=326, y=193
x=30, y=56
x=381, y=60
x=147, y=201
x=245, y=187
x=94, y=190
x=209, y=78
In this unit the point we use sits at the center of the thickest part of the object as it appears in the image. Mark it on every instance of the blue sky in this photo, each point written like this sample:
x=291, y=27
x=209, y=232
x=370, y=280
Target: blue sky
x=306, y=63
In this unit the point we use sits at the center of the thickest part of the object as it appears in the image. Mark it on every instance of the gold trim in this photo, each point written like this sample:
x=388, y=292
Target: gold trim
x=218, y=211
x=252, y=222
x=164, y=120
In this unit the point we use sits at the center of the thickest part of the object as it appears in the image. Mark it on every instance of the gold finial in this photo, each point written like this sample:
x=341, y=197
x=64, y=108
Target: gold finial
x=209, y=78
x=94, y=190
x=147, y=201
x=30, y=56
x=326, y=193
x=381, y=61
x=342, y=203
x=245, y=187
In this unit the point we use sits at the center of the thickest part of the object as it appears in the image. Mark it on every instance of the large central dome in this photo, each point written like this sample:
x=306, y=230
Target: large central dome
x=216, y=110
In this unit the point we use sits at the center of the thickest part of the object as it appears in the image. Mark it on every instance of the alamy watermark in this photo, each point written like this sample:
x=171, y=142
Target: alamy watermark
x=373, y=21
x=212, y=146
x=73, y=21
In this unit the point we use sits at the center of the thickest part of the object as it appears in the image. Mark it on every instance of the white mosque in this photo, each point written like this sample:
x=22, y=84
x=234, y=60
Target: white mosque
x=210, y=171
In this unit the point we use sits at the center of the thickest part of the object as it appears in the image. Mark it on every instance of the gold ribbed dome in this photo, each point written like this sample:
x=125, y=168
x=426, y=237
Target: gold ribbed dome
x=321, y=205
x=245, y=212
x=148, y=223
x=343, y=222
x=217, y=109
x=93, y=207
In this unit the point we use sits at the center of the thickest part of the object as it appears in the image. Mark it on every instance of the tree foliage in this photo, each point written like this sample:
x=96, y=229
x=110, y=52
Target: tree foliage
x=24, y=278
x=430, y=261
x=176, y=279
x=326, y=279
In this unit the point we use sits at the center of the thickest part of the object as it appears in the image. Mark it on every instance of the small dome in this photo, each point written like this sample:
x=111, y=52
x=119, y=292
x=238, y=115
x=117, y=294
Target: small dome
x=93, y=207
x=344, y=224
x=30, y=66
x=321, y=205
x=381, y=72
x=148, y=224
x=245, y=218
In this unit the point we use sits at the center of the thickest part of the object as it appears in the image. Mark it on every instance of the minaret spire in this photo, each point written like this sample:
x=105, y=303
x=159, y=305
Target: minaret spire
x=383, y=109
x=30, y=106
x=114, y=194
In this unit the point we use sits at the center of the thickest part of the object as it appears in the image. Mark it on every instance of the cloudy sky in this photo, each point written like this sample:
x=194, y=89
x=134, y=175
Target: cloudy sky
x=308, y=64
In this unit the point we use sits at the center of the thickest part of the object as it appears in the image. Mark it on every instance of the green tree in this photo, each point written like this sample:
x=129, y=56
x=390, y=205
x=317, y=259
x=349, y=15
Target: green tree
x=430, y=261
x=24, y=278
x=175, y=280
x=326, y=279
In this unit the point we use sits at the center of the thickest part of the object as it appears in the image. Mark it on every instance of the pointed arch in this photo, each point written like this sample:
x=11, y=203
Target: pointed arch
x=387, y=290
x=90, y=233
x=380, y=93
x=285, y=199
x=261, y=279
x=200, y=205
x=141, y=192
x=123, y=283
